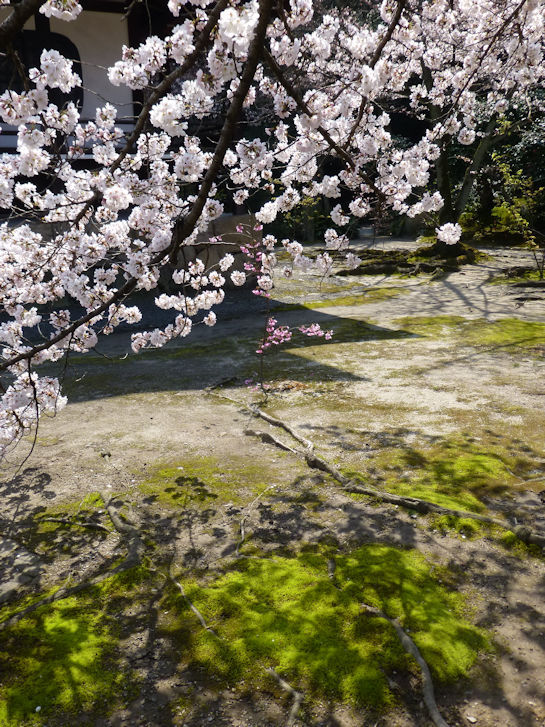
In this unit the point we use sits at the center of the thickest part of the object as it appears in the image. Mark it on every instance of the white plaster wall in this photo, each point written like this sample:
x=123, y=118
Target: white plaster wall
x=99, y=38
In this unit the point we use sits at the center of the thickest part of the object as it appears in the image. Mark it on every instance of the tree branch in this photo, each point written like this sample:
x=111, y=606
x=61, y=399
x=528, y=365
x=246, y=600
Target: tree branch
x=373, y=62
x=13, y=24
x=185, y=226
x=304, y=108
x=297, y=696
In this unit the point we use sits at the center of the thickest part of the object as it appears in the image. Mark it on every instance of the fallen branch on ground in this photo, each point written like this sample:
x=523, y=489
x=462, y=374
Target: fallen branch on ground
x=242, y=530
x=297, y=696
x=523, y=532
x=307, y=444
x=412, y=649
x=270, y=439
x=409, y=646
x=256, y=411
x=192, y=606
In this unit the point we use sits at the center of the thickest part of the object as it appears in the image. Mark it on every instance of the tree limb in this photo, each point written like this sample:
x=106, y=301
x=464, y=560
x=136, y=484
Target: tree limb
x=185, y=226
x=13, y=24
x=296, y=96
x=373, y=62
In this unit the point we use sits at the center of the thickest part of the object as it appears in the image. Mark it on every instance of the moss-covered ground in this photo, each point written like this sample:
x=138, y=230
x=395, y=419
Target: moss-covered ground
x=506, y=332
x=368, y=295
x=287, y=614
x=60, y=664
x=455, y=471
x=206, y=481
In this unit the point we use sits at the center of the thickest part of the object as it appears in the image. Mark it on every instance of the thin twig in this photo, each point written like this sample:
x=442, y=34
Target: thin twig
x=412, y=649
x=242, y=530
x=192, y=606
x=297, y=696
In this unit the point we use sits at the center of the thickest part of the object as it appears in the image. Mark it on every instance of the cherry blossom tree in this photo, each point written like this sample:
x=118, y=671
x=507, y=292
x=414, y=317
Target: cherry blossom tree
x=155, y=188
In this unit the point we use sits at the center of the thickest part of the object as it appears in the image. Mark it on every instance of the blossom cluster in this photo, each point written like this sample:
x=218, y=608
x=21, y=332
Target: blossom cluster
x=117, y=225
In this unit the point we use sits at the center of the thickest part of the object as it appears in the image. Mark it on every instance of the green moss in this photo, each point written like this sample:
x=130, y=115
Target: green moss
x=458, y=472
x=510, y=541
x=522, y=277
x=463, y=525
x=206, y=481
x=432, y=326
x=507, y=332
x=287, y=614
x=369, y=295
x=10, y=609
x=62, y=658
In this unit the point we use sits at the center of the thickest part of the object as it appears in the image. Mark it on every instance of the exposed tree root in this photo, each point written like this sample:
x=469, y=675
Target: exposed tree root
x=135, y=549
x=412, y=649
x=192, y=606
x=270, y=439
x=523, y=532
x=307, y=444
x=297, y=696
x=135, y=544
x=409, y=646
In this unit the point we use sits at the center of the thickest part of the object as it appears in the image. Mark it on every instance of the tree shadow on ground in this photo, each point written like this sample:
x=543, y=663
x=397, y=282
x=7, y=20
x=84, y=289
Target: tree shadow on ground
x=212, y=355
x=199, y=535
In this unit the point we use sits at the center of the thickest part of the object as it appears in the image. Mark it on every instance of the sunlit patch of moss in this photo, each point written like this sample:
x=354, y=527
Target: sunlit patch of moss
x=432, y=326
x=511, y=542
x=457, y=472
x=207, y=481
x=287, y=614
x=507, y=332
x=462, y=525
x=10, y=609
x=369, y=295
x=522, y=277
x=62, y=658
